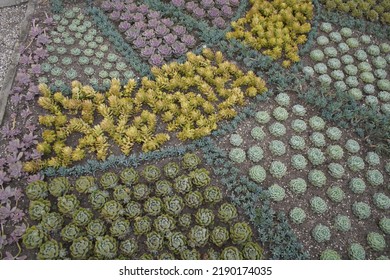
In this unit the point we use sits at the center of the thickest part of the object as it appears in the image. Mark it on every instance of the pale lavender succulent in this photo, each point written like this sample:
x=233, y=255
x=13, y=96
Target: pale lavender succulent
x=190, y=6
x=207, y=3
x=4, y=177
x=153, y=23
x=141, y=25
x=115, y=15
x=124, y=26
x=155, y=42
x=214, y=12
x=199, y=12
x=40, y=53
x=139, y=43
x=148, y=34
x=167, y=22
x=179, y=30
x=156, y=60
x=118, y=6
x=147, y=52
x=178, y=3
x=127, y=16
x=219, y=22
x=24, y=59
x=154, y=15
x=165, y=50
x=227, y=11
x=132, y=33
x=22, y=78
x=36, y=69
x=189, y=40
x=139, y=17
x=170, y=38
x=132, y=8
x=179, y=48
x=106, y=6
x=222, y=2
x=161, y=30
x=234, y=3
x=42, y=40
x=143, y=9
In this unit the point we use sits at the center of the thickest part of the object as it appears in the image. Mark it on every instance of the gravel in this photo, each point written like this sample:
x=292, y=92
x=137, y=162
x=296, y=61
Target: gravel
x=11, y=18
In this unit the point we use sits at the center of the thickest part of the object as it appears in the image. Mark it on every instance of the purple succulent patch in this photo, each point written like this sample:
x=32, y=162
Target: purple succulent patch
x=170, y=38
x=147, y=52
x=148, y=34
x=115, y=15
x=179, y=30
x=155, y=42
x=178, y=3
x=22, y=78
x=190, y=6
x=156, y=60
x=154, y=15
x=199, y=12
x=106, y=6
x=189, y=40
x=124, y=26
x=227, y=11
x=167, y=22
x=118, y=6
x=207, y=3
x=36, y=69
x=179, y=48
x=164, y=50
x=139, y=43
x=132, y=33
x=234, y=3
x=219, y=22
x=143, y=9
x=3, y=178
x=132, y=8
x=40, y=53
x=161, y=30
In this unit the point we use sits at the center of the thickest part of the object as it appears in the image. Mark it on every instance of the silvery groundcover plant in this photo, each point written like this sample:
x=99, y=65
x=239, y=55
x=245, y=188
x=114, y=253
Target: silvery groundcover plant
x=212, y=129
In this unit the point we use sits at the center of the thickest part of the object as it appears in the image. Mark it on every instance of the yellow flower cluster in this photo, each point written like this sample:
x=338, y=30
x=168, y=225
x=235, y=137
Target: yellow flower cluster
x=190, y=98
x=275, y=27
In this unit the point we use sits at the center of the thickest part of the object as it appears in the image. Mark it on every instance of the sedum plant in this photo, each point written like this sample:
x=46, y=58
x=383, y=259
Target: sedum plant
x=240, y=233
x=38, y=208
x=252, y=251
x=335, y=194
x=109, y=180
x=361, y=210
x=59, y=186
x=277, y=148
x=193, y=199
x=183, y=183
x=200, y=177
x=335, y=152
x=52, y=221
x=133, y=209
x=171, y=170
x=219, y=235
x=255, y=154
x=257, y=173
x=153, y=206
x=141, y=192
x=204, y=217
x=198, y=236
x=381, y=201
x=212, y=194
x=384, y=224
x=151, y=173
x=176, y=242
x=278, y=169
x=257, y=133
x=121, y=194
x=82, y=216
x=106, y=247
x=68, y=204
x=297, y=142
x=85, y=184
x=96, y=228
x=111, y=210
x=298, y=186
x=231, y=253
x=128, y=247
x=173, y=205
x=154, y=241
x=237, y=155
x=236, y=140
x=190, y=161
x=355, y=163
x=142, y=225
x=120, y=228
x=37, y=190
x=317, y=178
x=50, y=250
x=318, y=205
x=70, y=232
x=80, y=248
x=299, y=162
x=185, y=220
x=129, y=176
x=98, y=198
x=33, y=237
x=227, y=212
x=374, y=177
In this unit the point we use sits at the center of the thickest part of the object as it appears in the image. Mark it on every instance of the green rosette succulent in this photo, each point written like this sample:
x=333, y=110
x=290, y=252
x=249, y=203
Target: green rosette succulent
x=276, y=193
x=227, y=212
x=129, y=176
x=121, y=194
x=193, y=199
x=59, y=186
x=321, y=233
x=219, y=235
x=52, y=221
x=231, y=253
x=111, y=210
x=142, y=225
x=33, y=237
x=277, y=169
x=163, y=188
x=85, y=184
x=381, y=201
x=252, y=251
x=146, y=257
x=82, y=216
x=342, y=223
x=106, y=247
x=49, y=250
x=335, y=194
x=154, y=241
x=198, y=236
x=98, y=198
x=153, y=206
x=70, y=232
x=356, y=252
x=376, y=241
x=171, y=170
x=166, y=256
x=81, y=248
x=183, y=184
x=329, y=254
x=109, y=180
x=190, y=161
x=297, y=215
x=236, y=140
x=176, y=242
x=237, y=155
x=141, y=192
x=213, y=255
x=318, y=205
x=164, y=223
x=36, y=190
x=68, y=204
x=384, y=225
x=204, y=217
x=120, y=228
x=133, y=209
x=128, y=247
x=257, y=173
x=200, y=177
x=96, y=228
x=38, y=208
x=190, y=254
x=361, y=210
x=185, y=220
x=173, y=205
x=212, y=194
x=240, y=233
x=151, y=173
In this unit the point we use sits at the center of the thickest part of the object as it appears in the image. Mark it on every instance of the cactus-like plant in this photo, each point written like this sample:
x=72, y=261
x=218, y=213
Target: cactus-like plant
x=80, y=248
x=70, y=232
x=361, y=210
x=257, y=173
x=49, y=250
x=106, y=247
x=96, y=228
x=39, y=208
x=219, y=236
x=190, y=161
x=376, y=241
x=129, y=176
x=120, y=228
x=111, y=210
x=297, y=215
x=36, y=190
x=142, y=225
x=204, y=217
x=59, y=186
x=33, y=237
x=240, y=233
x=141, y=191
x=200, y=177
x=212, y=194
x=321, y=233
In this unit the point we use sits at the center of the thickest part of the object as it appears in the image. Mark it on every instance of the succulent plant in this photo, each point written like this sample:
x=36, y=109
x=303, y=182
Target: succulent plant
x=321, y=233
x=342, y=223
x=59, y=186
x=98, y=198
x=255, y=153
x=183, y=183
x=154, y=241
x=204, y=217
x=231, y=253
x=128, y=247
x=317, y=178
x=298, y=125
x=384, y=225
x=360, y=55
x=361, y=210
x=171, y=170
x=96, y=228
x=322, y=40
x=142, y=225
x=219, y=235
x=200, y=177
x=85, y=184
x=277, y=129
x=334, y=63
x=283, y=99
x=109, y=180
x=277, y=169
x=121, y=194
x=348, y=60
x=153, y=206
x=356, y=252
x=357, y=185
x=49, y=250
x=33, y=237
x=280, y=114
x=185, y=220
x=318, y=205
x=352, y=146
x=381, y=201
x=257, y=133
x=151, y=173
x=129, y=176
x=173, y=205
x=384, y=85
x=276, y=192
x=318, y=139
x=68, y=204
x=355, y=163
x=308, y=71
x=237, y=155
x=190, y=161
x=315, y=156
x=120, y=228
x=299, y=162
x=335, y=194
x=240, y=233
x=141, y=192
x=252, y=251
x=336, y=170
x=335, y=37
x=374, y=177
x=198, y=236
x=297, y=142
x=262, y=117
x=111, y=210
x=212, y=194
x=317, y=123
x=330, y=52
x=80, y=248
x=277, y=148
x=299, y=110
x=317, y=55
x=329, y=254
x=227, y=212
x=52, y=221
x=236, y=139
x=133, y=209
x=106, y=247
x=297, y=215
x=335, y=152
x=36, y=190
x=39, y=208
x=376, y=241
x=326, y=27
